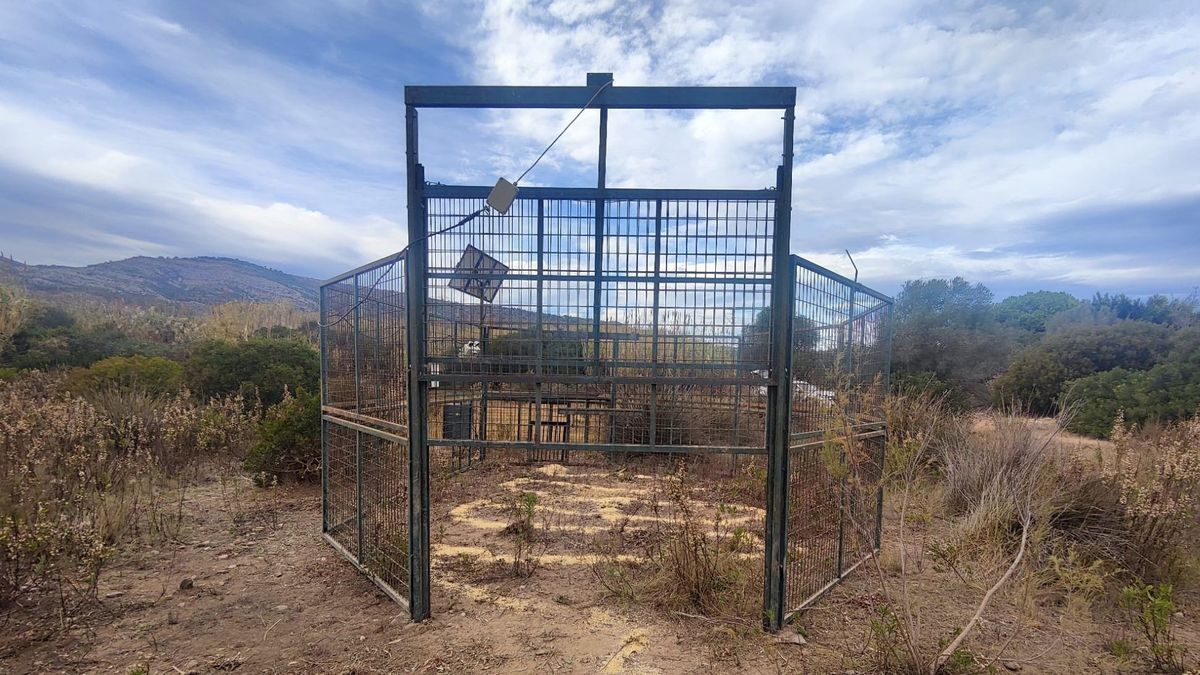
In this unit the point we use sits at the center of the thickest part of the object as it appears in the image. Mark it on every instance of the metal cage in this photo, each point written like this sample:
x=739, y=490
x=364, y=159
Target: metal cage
x=612, y=320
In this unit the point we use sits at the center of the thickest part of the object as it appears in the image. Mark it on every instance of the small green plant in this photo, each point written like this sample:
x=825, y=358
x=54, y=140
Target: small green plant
x=1152, y=607
x=521, y=510
x=1120, y=648
x=1082, y=581
x=886, y=639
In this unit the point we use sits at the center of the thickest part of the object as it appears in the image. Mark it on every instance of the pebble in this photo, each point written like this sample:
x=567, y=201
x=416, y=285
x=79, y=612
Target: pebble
x=186, y=583
x=114, y=594
x=1012, y=666
x=281, y=608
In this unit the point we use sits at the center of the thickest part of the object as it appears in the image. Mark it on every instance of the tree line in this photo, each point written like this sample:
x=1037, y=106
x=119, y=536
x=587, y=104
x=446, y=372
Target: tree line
x=1043, y=352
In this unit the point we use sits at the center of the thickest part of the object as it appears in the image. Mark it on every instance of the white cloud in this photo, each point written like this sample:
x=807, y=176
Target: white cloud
x=957, y=126
x=958, y=131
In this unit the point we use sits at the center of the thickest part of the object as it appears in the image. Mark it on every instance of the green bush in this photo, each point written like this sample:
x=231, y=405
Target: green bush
x=263, y=367
x=1164, y=393
x=50, y=337
x=1038, y=375
x=289, y=439
x=152, y=374
x=1168, y=391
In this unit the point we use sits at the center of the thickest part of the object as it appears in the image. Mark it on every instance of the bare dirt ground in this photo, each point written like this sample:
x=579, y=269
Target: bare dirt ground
x=251, y=587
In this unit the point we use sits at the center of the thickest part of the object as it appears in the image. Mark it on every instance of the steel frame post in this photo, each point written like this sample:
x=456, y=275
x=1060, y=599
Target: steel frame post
x=595, y=80
x=324, y=395
x=654, y=328
x=887, y=390
x=843, y=498
x=539, y=328
x=779, y=393
x=418, y=449
x=358, y=441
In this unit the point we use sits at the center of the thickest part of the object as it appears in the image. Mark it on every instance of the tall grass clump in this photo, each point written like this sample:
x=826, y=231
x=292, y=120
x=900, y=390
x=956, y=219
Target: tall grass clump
x=1000, y=470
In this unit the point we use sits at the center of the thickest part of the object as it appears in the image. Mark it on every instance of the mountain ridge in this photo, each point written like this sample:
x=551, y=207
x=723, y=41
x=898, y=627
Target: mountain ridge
x=194, y=282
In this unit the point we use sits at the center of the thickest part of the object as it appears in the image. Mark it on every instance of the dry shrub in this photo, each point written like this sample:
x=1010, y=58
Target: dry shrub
x=688, y=561
x=920, y=420
x=78, y=477
x=1155, y=478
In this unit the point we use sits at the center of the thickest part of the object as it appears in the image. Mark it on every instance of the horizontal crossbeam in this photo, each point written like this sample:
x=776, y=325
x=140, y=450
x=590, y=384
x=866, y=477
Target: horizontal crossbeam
x=632, y=98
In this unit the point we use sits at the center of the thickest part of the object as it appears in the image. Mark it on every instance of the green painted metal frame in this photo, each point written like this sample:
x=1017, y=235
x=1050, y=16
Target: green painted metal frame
x=416, y=281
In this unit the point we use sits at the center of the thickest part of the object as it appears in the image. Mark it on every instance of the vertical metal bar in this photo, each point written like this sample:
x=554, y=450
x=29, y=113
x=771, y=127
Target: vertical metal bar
x=654, y=322
x=612, y=388
x=851, y=396
x=324, y=394
x=418, y=450
x=783, y=285
x=358, y=441
x=887, y=388
x=483, y=391
x=598, y=289
x=540, y=330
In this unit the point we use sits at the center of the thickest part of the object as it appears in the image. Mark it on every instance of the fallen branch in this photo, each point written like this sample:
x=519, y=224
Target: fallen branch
x=987, y=598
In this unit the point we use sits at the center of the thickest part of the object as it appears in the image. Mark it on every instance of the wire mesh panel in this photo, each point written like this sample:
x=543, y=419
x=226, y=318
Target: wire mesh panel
x=655, y=314
x=840, y=359
x=364, y=428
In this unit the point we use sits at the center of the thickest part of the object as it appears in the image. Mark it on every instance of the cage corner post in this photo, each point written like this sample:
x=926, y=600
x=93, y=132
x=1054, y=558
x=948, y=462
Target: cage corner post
x=418, y=449
x=323, y=329
x=779, y=394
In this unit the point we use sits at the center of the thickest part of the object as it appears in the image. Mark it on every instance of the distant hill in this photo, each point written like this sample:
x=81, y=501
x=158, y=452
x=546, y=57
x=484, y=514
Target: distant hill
x=186, y=282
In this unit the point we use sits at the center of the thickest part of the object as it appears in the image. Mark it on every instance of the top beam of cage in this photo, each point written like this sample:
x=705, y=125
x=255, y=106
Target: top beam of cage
x=858, y=286
x=634, y=98
x=436, y=190
x=386, y=260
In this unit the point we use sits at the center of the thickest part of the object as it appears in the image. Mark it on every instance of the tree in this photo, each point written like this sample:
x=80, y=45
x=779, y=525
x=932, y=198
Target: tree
x=1030, y=311
x=1105, y=309
x=51, y=337
x=948, y=328
x=260, y=366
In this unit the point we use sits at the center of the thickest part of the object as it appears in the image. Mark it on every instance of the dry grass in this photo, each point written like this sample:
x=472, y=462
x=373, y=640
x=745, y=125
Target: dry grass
x=690, y=561
x=79, y=478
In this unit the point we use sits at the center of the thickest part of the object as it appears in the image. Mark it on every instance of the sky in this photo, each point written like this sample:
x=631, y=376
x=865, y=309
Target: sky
x=1023, y=145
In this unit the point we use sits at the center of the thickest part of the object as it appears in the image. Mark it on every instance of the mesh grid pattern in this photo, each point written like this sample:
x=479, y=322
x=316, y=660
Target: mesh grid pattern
x=840, y=356
x=655, y=319
x=649, y=328
x=364, y=363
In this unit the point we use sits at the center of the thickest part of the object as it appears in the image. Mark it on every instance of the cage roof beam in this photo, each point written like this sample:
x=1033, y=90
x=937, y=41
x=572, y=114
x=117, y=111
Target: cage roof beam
x=613, y=98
